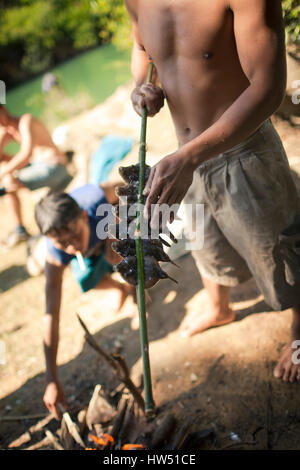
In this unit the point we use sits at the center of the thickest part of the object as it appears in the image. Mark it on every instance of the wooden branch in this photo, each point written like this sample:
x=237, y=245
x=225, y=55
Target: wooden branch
x=124, y=375
x=119, y=419
x=54, y=441
x=19, y=418
x=117, y=363
x=72, y=427
x=163, y=431
x=94, y=344
x=182, y=434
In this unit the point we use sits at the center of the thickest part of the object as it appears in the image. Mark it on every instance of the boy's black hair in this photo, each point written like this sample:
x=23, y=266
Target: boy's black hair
x=55, y=211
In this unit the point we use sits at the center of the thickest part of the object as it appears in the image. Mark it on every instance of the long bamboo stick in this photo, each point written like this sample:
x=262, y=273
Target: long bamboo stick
x=149, y=402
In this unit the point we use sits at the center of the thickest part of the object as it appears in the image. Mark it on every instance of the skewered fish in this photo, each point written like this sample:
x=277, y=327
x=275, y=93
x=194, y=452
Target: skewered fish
x=130, y=174
x=153, y=251
x=126, y=247
x=152, y=271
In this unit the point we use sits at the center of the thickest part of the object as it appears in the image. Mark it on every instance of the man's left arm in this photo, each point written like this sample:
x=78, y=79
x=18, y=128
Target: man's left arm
x=21, y=159
x=259, y=35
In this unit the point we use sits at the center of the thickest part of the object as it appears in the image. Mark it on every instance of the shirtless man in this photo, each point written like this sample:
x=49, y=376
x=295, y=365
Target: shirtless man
x=221, y=65
x=38, y=163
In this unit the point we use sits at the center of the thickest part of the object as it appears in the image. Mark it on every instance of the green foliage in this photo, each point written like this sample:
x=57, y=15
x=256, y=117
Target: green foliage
x=37, y=34
x=291, y=12
x=115, y=23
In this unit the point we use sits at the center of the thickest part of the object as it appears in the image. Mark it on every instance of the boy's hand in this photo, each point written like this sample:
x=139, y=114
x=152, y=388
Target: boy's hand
x=149, y=95
x=54, y=395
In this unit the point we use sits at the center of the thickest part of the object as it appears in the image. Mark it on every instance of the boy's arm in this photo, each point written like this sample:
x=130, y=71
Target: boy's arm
x=54, y=275
x=22, y=157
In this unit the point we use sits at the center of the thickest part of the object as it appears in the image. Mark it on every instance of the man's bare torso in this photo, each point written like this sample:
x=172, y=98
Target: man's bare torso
x=193, y=47
x=43, y=148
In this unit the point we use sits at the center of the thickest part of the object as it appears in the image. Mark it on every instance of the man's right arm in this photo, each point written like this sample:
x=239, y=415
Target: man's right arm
x=149, y=95
x=53, y=393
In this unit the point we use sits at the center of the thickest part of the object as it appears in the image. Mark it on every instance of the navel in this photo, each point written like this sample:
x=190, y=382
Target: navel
x=207, y=55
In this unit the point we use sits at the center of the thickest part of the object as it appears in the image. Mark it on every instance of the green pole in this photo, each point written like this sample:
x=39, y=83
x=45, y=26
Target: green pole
x=149, y=402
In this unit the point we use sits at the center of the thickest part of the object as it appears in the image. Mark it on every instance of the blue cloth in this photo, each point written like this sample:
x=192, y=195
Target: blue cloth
x=112, y=150
x=89, y=197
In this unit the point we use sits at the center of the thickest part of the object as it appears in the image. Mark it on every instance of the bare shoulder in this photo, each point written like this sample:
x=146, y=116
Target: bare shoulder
x=270, y=11
x=26, y=120
x=132, y=8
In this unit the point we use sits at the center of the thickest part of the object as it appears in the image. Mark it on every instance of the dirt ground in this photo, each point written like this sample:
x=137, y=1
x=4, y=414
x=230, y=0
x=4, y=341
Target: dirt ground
x=222, y=377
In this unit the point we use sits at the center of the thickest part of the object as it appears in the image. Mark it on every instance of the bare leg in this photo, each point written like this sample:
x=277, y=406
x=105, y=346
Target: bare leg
x=123, y=289
x=219, y=312
x=12, y=185
x=287, y=368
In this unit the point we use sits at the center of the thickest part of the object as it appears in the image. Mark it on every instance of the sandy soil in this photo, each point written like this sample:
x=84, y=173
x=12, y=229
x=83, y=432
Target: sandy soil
x=222, y=377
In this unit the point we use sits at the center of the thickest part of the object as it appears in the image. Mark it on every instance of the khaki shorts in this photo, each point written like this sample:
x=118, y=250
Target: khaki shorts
x=251, y=218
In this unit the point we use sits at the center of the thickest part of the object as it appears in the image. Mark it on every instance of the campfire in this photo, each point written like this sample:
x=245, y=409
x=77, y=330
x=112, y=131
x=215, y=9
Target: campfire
x=116, y=420
x=113, y=421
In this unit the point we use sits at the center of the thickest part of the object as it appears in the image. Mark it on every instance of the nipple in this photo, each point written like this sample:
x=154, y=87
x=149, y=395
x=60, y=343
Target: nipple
x=207, y=55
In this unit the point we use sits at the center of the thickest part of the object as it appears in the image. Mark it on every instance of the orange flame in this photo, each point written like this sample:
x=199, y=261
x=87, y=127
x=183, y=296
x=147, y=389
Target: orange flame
x=133, y=447
x=103, y=440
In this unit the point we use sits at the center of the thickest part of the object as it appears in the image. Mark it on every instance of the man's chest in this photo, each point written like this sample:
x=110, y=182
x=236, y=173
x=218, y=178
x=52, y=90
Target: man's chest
x=186, y=28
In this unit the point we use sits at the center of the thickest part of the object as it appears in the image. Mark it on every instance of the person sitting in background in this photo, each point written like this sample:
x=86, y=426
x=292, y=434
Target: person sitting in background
x=69, y=221
x=38, y=163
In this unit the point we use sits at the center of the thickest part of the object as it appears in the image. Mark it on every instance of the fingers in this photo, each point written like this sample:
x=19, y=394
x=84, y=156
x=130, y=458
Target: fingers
x=53, y=408
x=138, y=104
x=151, y=199
x=293, y=374
x=153, y=98
x=159, y=218
x=147, y=188
x=148, y=95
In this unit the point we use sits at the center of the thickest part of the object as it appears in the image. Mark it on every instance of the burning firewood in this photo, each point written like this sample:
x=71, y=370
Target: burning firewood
x=54, y=441
x=128, y=425
x=104, y=442
x=118, y=422
x=163, y=431
x=182, y=435
x=72, y=427
x=100, y=411
x=66, y=437
x=81, y=418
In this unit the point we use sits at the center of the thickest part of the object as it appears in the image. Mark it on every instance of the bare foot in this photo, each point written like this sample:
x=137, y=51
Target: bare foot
x=195, y=323
x=288, y=367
